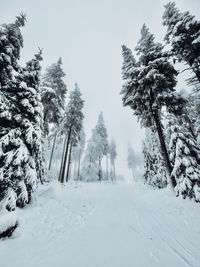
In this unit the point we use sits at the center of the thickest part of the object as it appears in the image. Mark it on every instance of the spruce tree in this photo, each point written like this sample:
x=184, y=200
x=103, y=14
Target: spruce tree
x=90, y=169
x=53, y=94
x=183, y=33
x=185, y=158
x=131, y=160
x=100, y=137
x=154, y=167
x=72, y=125
x=21, y=126
x=150, y=86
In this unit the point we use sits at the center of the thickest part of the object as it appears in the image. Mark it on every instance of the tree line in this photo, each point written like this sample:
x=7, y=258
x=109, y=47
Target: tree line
x=36, y=109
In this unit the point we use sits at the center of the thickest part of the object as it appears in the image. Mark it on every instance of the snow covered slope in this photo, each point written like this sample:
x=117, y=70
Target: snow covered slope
x=104, y=225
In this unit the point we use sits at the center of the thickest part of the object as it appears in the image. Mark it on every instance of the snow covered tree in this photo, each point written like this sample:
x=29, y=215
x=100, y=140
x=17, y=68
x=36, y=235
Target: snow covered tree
x=53, y=94
x=131, y=159
x=20, y=136
x=185, y=158
x=154, y=166
x=11, y=41
x=20, y=111
x=78, y=152
x=72, y=124
x=113, y=155
x=183, y=33
x=149, y=86
x=90, y=167
x=100, y=138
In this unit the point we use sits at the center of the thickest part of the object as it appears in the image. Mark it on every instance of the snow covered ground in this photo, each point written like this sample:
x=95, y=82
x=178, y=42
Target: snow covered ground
x=104, y=225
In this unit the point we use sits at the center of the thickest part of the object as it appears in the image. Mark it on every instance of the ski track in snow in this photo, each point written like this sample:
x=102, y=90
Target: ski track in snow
x=104, y=225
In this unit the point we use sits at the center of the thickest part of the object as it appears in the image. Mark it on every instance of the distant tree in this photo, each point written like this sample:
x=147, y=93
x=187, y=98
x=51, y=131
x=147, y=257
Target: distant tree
x=113, y=155
x=185, y=158
x=90, y=167
x=78, y=152
x=154, y=166
x=149, y=86
x=100, y=138
x=72, y=124
x=132, y=160
x=183, y=33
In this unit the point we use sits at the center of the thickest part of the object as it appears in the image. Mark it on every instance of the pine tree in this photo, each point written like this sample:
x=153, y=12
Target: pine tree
x=11, y=41
x=53, y=94
x=101, y=141
x=72, y=124
x=184, y=155
x=131, y=160
x=90, y=169
x=113, y=155
x=154, y=167
x=78, y=152
x=20, y=136
x=183, y=33
x=150, y=87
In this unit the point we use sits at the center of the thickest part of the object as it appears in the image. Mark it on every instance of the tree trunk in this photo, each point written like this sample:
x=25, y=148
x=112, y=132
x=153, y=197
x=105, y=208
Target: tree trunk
x=69, y=162
x=62, y=160
x=79, y=163
x=164, y=150
x=52, y=151
x=114, y=170
x=107, y=167
x=100, y=169
x=65, y=157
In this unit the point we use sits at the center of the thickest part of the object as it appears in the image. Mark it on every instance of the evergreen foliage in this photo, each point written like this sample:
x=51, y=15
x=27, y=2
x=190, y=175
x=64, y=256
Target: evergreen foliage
x=53, y=94
x=154, y=166
x=185, y=158
x=183, y=33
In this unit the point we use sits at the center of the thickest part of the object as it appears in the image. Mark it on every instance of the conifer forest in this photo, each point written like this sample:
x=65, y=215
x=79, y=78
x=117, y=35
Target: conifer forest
x=100, y=133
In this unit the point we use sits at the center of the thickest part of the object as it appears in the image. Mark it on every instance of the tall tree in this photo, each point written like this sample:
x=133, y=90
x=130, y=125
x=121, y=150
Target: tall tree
x=21, y=125
x=72, y=124
x=100, y=137
x=149, y=86
x=183, y=33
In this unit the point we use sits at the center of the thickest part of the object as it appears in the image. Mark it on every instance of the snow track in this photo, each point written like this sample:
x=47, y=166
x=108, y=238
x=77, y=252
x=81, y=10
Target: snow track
x=105, y=225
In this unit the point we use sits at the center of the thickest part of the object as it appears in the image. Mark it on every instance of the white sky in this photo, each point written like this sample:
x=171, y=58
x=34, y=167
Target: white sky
x=88, y=35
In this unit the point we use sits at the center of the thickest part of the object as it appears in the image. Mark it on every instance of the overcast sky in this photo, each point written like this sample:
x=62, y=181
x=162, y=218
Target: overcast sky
x=88, y=35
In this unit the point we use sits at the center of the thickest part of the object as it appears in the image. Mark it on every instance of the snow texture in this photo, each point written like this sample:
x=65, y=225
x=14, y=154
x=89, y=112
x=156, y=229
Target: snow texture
x=104, y=225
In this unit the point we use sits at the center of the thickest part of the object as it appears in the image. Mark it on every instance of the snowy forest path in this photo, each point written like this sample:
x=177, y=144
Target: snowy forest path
x=105, y=225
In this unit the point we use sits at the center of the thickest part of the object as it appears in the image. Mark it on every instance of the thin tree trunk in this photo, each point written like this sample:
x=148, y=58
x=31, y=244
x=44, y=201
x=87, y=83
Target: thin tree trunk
x=52, y=151
x=99, y=169
x=65, y=157
x=62, y=160
x=114, y=169
x=164, y=150
x=75, y=164
x=79, y=163
x=69, y=162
